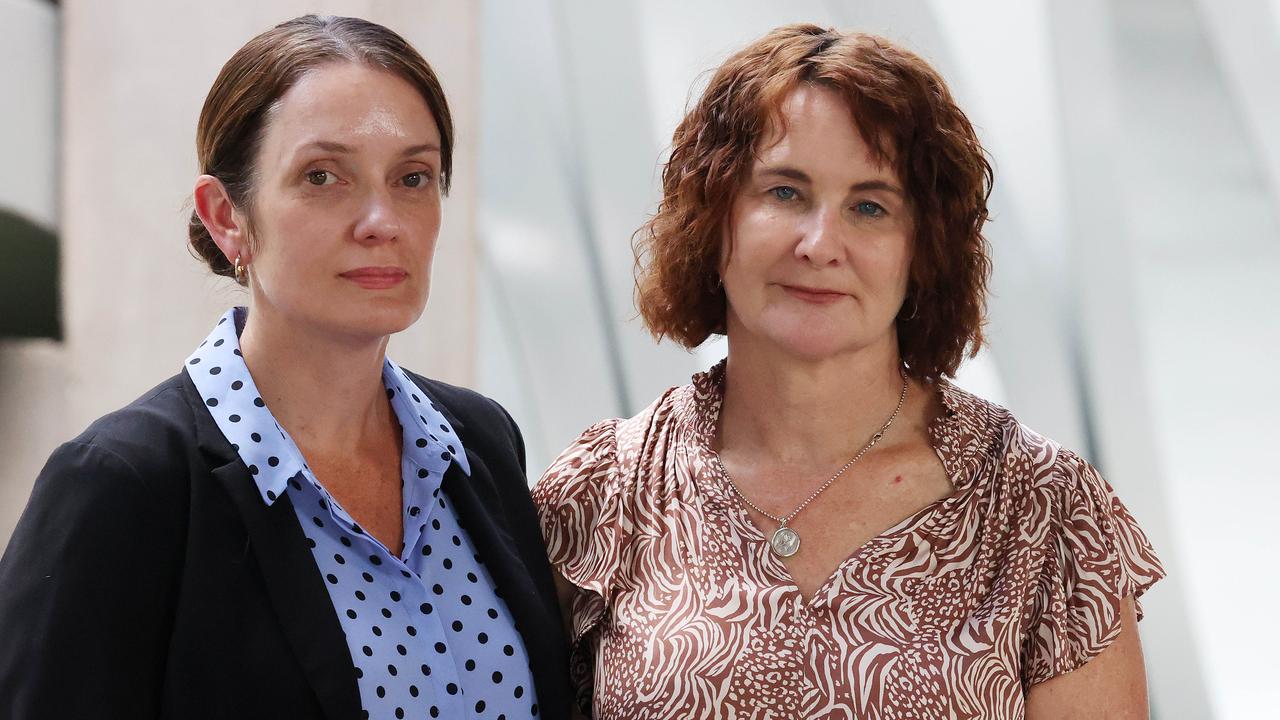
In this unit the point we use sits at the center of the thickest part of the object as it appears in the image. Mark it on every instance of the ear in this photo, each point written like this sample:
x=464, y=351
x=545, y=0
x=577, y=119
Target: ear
x=221, y=218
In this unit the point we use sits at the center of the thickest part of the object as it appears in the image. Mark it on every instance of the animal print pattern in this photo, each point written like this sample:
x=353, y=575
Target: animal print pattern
x=681, y=611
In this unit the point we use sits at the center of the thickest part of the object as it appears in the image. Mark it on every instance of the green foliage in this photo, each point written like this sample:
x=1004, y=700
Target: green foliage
x=29, y=290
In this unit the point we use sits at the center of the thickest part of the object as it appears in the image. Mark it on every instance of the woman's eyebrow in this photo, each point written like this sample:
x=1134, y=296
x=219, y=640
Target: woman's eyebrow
x=877, y=185
x=342, y=149
x=784, y=171
x=798, y=175
x=327, y=146
x=423, y=148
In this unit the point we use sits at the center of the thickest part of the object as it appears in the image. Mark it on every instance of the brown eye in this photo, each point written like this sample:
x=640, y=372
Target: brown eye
x=414, y=180
x=319, y=177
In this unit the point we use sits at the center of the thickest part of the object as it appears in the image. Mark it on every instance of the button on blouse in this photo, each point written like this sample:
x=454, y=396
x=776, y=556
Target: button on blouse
x=428, y=633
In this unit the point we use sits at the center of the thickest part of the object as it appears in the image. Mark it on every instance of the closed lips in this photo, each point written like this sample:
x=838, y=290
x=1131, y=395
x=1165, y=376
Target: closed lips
x=375, y=272
x=813, y=290
x=376, y=278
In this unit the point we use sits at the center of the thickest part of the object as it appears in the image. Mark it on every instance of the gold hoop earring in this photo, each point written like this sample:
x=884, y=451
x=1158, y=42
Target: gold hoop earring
x=240, y=271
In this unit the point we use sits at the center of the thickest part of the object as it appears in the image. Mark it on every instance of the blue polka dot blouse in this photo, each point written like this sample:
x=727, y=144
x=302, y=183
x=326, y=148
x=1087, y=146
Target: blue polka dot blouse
x=428, y=635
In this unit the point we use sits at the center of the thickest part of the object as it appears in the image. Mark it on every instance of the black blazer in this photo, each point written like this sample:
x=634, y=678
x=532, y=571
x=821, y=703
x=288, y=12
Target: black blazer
x=147, y=578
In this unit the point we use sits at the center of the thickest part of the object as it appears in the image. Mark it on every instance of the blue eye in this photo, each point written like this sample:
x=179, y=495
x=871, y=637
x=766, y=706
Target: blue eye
x=413, y=180
x=783, y=192
x=868, y=209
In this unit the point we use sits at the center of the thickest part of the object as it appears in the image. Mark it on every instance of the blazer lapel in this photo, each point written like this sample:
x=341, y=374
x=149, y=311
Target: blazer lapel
x=481, y=512
x=295, y=588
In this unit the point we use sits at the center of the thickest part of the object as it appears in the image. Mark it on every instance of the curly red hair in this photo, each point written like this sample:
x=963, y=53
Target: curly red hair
x=904, y=112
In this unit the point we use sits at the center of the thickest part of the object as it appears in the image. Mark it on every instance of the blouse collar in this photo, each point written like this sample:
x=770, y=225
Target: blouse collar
x=219, y=373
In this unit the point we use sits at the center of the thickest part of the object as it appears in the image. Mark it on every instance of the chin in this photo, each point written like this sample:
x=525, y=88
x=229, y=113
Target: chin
x=811, y=343
x=380, y=316
x=810, y=337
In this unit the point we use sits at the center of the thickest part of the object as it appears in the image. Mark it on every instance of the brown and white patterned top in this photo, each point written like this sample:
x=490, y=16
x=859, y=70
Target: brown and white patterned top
x=682, y=612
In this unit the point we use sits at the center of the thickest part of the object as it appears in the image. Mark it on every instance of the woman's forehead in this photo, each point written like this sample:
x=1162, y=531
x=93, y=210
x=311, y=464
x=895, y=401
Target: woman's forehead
x=351, y=104
x=818, y=122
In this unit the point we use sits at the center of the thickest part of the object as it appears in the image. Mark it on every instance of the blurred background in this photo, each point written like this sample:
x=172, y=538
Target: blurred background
x=1136, y=216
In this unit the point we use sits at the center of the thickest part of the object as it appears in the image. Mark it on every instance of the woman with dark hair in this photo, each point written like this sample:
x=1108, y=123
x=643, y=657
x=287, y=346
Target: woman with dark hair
x=294, y=526
x=823, y=525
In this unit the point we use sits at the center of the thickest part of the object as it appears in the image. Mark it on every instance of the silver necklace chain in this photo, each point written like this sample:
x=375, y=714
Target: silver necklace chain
x=785, y=538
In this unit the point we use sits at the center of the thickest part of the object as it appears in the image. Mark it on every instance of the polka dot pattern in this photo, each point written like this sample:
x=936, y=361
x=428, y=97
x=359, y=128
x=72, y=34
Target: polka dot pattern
x=428, y=632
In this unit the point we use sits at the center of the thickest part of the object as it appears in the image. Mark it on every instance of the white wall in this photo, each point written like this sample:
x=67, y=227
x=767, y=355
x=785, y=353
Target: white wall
x=31, y=371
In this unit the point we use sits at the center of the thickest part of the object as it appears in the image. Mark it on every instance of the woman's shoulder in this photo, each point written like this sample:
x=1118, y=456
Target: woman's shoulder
x=1035, y=478
x=599, y=461
x=485, y=429
x=455, y=397
x=1055, y=498
x=474, y=410
x=582, y=480
x=975, y=426
x=151, y=436
x=133, y=463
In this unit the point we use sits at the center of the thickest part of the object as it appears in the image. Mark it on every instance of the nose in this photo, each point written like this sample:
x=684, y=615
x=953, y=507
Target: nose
x=379, y=222
x=819, y=245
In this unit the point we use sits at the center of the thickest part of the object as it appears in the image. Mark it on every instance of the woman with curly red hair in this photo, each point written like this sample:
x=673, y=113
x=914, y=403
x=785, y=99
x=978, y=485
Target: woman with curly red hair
x=823, y=525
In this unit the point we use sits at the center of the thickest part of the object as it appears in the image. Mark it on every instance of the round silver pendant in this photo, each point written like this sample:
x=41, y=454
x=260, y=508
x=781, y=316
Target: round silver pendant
x=785, y=541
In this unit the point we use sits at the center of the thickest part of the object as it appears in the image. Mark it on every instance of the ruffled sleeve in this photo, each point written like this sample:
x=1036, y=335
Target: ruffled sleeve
x=1096, y=557
x=583, y=525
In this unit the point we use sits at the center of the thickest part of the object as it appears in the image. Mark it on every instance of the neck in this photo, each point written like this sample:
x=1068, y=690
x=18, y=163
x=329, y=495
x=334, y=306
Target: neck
x=325, y=390
x=807, y=412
